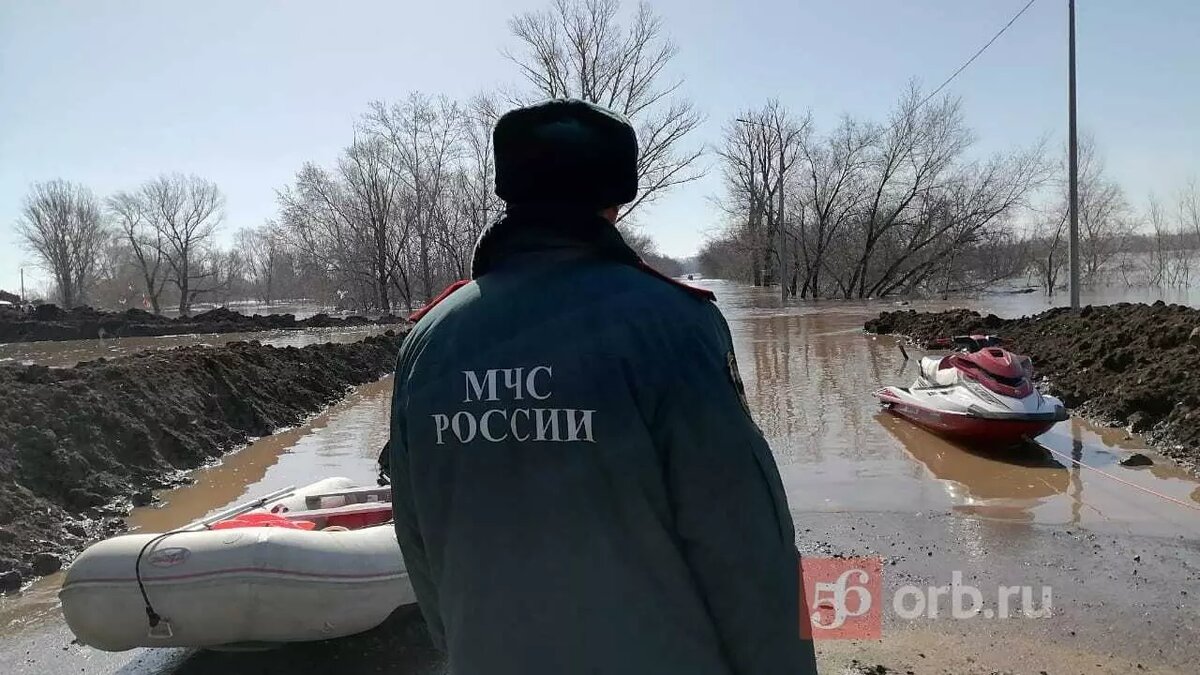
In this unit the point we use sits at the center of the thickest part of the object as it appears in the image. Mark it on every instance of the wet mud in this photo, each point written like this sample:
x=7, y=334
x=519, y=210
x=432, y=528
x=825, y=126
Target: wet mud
x=1127, y=365
x=50, y=322
x=80, y=446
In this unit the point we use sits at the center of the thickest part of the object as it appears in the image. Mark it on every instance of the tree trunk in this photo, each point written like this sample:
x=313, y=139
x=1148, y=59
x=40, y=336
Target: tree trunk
x=151, y=294
x=185, y=300
x=66, y=292
x=384, y=302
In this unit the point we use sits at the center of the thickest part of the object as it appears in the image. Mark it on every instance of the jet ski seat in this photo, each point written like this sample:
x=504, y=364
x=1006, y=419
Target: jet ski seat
x=938, y=371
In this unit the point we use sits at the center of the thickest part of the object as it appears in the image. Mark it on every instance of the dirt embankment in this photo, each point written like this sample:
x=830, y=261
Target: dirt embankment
x=79, y=446
x=1127, y=364
x=52, y=323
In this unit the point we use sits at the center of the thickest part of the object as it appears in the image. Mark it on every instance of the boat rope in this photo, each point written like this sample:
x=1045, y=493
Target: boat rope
x=151, y=615
x=1121, y=480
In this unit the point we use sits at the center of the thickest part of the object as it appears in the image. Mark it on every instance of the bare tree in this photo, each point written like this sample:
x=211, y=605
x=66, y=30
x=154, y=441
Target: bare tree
x=580, y=49
x=117, y=281
x=475, y=203
x=908, y=158
x=1105, y=218
x=132, y=215
x=62, y=225
x=1189, y=209
x=399, y=217
x=184, y=212
x=760, y=151
x=426, y=139
x=262, y=255
x=351, y=221
x=1047, y=248
x=831, y=184
x=872, y=210
x=968, y=212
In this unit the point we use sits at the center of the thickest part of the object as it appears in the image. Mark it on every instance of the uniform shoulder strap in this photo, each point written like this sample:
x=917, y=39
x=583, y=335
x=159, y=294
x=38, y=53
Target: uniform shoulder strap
x=416, y=316
x=694, y=291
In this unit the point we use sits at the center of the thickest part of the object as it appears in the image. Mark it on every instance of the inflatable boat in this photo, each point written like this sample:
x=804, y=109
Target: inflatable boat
x=296, y=565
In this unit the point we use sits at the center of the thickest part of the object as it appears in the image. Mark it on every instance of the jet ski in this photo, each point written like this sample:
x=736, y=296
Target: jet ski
x=982, y=394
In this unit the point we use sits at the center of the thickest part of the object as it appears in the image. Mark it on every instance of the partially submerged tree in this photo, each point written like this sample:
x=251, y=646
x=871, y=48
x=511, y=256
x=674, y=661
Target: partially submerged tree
x=62, y=225
x=581, y=49
x=830, y=184
x=761, y=149
x=870, y=210
x=1105, y=217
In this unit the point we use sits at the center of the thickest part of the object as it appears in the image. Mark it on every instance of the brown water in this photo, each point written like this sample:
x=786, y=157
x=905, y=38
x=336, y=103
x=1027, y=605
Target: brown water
x=70, y=352
x=808, y=370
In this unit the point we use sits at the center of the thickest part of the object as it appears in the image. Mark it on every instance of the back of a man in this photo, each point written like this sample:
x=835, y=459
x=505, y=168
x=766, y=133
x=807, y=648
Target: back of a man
x=578, y=486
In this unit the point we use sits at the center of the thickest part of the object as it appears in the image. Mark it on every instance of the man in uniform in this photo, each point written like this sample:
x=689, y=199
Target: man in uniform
x=578, y=485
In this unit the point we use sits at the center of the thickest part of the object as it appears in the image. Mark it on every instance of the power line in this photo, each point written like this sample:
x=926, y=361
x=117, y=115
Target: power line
x=975, y=55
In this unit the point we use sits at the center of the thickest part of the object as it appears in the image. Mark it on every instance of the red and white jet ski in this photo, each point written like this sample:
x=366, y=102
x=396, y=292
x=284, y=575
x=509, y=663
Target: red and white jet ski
x=982, y=394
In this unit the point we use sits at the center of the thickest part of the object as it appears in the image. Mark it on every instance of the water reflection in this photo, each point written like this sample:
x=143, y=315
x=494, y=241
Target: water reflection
x=1021, y=475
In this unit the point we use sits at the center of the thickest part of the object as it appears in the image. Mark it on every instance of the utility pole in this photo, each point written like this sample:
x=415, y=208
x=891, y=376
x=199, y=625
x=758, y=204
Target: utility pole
x=1072, y=158
x=22, y=285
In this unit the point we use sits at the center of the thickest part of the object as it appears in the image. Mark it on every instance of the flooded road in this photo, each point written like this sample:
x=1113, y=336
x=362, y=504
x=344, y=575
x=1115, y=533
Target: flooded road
x=809, y=371
x=64, y=354
x=858, y=481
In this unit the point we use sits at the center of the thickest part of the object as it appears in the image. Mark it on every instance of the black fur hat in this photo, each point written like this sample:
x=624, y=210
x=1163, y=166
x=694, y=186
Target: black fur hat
x=565, y=151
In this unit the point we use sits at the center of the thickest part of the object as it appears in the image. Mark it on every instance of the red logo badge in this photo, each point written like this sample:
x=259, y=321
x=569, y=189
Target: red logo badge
x=843, y=598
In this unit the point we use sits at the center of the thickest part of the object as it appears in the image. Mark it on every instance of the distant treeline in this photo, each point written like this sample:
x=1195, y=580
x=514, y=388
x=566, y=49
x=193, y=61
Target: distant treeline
x=870, y=209
x=396, y=217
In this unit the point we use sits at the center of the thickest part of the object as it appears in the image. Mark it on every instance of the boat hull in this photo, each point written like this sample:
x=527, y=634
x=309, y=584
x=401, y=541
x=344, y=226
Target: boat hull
x=963, y=427
x=971, y=427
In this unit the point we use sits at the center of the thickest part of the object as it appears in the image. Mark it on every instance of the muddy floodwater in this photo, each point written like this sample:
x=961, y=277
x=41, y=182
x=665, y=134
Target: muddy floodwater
x=809, y=372
x=850, y=472
x=67, y=353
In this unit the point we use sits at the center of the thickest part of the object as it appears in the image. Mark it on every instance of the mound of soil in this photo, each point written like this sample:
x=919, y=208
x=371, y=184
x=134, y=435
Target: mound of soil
x=1126, y=365
x=79, y=446
x=52, y=323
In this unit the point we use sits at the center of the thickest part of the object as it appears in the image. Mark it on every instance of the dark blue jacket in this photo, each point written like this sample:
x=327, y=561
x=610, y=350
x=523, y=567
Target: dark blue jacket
x=578, y=485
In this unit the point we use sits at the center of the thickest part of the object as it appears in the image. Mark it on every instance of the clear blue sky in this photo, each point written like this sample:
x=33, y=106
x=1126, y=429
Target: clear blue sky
x=111, y=93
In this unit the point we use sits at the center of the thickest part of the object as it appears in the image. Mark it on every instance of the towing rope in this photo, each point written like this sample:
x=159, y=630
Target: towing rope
x=1106, y=474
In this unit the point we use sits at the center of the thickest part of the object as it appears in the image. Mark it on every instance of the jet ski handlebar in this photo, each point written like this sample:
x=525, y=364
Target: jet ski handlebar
x=966, y=343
